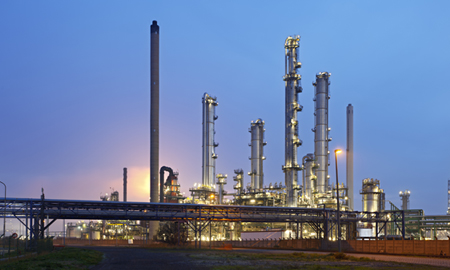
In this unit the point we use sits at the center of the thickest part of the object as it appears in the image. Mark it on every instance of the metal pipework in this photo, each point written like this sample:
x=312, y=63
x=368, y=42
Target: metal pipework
x=221, y=181
x=321, y=131
x=208, y=145
x=257, y=149
x=308, y=178
x=154, y=111
x=350, y=157
x=125, y=184
x=161, y=179
x=292, y=141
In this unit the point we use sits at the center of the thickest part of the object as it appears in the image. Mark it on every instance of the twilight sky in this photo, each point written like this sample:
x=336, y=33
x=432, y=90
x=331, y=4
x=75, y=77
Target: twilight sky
x=74, y=84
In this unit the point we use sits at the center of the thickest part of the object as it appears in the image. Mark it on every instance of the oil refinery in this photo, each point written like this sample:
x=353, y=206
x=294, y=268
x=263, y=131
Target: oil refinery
x=306, y=184
x=311, y=202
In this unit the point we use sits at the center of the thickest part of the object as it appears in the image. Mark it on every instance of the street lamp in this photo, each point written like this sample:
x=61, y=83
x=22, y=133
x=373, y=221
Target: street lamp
x=337, y=151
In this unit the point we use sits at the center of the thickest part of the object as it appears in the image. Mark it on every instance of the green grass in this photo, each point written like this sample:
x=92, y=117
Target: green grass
x=235, y=260
x=67, y=258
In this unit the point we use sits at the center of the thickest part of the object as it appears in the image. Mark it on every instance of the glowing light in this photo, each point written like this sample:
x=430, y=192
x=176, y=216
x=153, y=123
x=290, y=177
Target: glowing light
x=337, y=151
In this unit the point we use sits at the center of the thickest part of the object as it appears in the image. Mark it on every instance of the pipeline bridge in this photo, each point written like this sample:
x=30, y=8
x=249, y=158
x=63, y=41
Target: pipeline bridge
x=32, y=213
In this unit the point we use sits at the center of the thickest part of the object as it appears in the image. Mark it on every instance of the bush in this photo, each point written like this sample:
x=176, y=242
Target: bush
x=173, y=232
x=340, y=256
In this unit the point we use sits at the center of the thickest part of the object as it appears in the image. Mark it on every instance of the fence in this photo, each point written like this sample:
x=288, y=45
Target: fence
x=107, y=242
x=412, y=247
x=404, y=247
x=15, y=247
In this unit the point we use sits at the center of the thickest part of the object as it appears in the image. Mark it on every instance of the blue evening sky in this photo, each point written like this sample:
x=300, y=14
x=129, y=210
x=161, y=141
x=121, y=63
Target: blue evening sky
x=74, y=84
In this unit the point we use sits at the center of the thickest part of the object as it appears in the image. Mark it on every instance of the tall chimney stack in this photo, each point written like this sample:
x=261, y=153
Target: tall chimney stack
x=154, y=112
x=154, y=121
x=350, y=156
x=124, y=184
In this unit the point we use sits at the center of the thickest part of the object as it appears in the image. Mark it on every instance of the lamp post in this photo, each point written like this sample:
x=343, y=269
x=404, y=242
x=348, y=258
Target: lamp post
x=337, y=151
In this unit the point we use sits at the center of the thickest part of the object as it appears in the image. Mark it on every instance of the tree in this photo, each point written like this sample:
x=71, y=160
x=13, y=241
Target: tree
x=173, y=232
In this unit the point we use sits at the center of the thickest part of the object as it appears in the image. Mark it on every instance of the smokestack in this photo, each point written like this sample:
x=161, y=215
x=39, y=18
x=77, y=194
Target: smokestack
x=124, y=184
x=292, y=88
x=350, y=156
x=154, y=112
x=154, y=121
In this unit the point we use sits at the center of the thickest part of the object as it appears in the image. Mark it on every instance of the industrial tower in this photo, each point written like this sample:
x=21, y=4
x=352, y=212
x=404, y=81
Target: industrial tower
x=349, y=157
x=292, y=141
x=257, y=149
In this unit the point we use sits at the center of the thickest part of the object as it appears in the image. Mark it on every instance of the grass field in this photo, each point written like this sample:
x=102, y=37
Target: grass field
x=218, y=260
x=67, y=258
x=80, y=258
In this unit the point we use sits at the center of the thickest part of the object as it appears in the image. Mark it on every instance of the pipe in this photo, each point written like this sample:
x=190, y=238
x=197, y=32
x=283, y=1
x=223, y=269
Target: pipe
x=321, y=131
x=350, y=157
x=124, y=184
x=161, y=180
x=292, y=141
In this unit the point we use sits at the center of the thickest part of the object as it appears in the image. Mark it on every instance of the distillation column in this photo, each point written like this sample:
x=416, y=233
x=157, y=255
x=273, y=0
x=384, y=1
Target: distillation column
x=321, y=131
x=350, y=157
x=221, y=181
x=208, y=145
x=257, y=157
x=293, y=87
x=308, y=179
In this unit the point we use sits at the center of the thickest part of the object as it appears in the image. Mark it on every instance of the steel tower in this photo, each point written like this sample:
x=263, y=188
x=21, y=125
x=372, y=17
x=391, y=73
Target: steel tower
x=208, y=145
x=257, y=157
x=321, y=131
x=292, y=141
